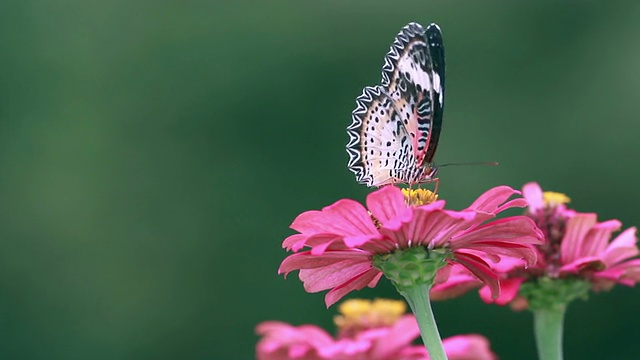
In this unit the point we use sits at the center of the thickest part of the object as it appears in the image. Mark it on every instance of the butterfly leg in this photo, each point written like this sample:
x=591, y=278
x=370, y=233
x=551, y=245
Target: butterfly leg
x=433, y=180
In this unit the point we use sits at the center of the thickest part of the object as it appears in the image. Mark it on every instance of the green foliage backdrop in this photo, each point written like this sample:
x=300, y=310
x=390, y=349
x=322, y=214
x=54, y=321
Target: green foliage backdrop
x=153, y=154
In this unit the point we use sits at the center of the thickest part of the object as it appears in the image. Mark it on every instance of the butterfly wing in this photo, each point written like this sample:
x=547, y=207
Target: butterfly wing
x=406, y=75
x=394, y=124
x=436, y=51
x=379, y=145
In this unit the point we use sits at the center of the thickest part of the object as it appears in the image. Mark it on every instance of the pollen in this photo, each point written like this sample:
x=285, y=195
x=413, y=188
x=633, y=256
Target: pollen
x=417, y=197
x=555, y=198
x=359, y=314
x=375, y=220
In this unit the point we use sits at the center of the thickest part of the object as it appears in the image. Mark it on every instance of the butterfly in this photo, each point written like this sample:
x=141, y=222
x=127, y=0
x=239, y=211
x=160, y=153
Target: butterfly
x=396, y=125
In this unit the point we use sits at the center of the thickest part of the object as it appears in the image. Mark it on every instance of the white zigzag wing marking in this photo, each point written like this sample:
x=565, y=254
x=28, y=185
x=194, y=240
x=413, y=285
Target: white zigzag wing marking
x=380, y=144
x=392, y=124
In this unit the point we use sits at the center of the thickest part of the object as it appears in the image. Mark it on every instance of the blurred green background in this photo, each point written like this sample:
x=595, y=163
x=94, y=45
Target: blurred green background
x=154, y=153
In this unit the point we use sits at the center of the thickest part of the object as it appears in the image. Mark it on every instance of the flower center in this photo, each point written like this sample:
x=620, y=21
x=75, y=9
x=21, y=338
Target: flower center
x=552, y=221
x=417, y=197
x=555, y=198
x=358, y=314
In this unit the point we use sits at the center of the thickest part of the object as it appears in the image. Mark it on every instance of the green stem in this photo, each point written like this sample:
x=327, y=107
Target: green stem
x=548, y=325
x=418, y=298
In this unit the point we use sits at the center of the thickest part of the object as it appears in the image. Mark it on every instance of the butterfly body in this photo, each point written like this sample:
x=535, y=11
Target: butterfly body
x=396, y=125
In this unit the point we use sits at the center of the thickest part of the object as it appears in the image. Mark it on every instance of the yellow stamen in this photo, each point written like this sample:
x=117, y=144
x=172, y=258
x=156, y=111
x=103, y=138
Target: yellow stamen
x=555, y=198
x=417, y=197
x=359, y=314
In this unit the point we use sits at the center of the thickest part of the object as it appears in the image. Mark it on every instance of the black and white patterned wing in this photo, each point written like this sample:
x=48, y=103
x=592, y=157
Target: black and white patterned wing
x=395, y=125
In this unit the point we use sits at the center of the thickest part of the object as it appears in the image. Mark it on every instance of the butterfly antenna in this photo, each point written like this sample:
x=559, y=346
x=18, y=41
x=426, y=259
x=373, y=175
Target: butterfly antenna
x=490, y=163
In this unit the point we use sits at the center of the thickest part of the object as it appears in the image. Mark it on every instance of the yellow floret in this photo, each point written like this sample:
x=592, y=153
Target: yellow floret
x=358, y=314
x=417, y=197
x=555, y=198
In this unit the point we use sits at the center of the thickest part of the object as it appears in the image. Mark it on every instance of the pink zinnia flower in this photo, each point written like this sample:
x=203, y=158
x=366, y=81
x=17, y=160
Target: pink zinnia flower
x=576, y=246
x=345, y=239
x=388, y=339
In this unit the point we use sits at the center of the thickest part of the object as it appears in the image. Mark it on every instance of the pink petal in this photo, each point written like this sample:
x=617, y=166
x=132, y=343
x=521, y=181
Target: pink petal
x=576, y=230
x=403, y=332
x=434, y=206
x=480, y=269
x=532, y=192
x=590, y=262
x=597, y=239
x=428, y=226
x=358, y=282
x=619, y=254
x=309, y=222
x=519, y=229
x=356, y=241
x=334, y=275
x=305, y=260
x=626, y=273
x=613, y=274
x=345, y=348
x=515, y=229
x=519, y=203
x=626, y=238
x=295, y=241
x=282, y=341
x=386, y=203
x=448, y=290
x=417, y=352
x=445, y=272
x=286, y=331
x=318, y=240
x=444, y=225
x=319, y=250
x=379, y=246
x=491, y=200
x=486, y=296
x=459, y=282
x=508, y=264
x=491, y=248
x=508, y=291
x=621, y=248
x=267, y=326
x=344, y=217
x=375, y=280
x=399, y=229
x=468, y=347
x=624, y=270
